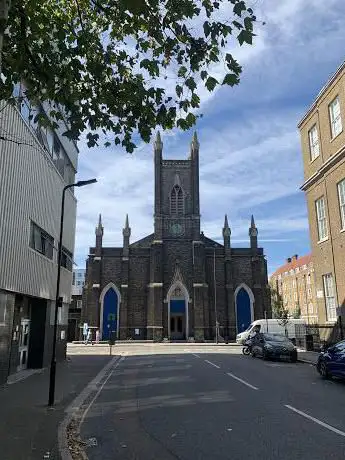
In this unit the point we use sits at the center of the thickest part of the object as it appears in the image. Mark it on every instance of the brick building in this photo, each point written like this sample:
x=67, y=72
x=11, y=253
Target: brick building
x=175, y=283
x=294, y=282
x=323, y=147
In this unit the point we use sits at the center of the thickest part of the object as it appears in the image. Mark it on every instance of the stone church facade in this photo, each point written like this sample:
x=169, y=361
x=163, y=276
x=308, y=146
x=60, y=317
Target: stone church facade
x=176, y=283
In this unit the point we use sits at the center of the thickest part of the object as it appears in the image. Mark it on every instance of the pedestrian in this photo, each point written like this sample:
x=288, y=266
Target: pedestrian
x=97, y=336
x=89, y=337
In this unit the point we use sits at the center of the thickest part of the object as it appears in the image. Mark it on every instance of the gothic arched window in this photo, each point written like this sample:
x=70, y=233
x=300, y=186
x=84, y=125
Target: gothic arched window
x=177, y=201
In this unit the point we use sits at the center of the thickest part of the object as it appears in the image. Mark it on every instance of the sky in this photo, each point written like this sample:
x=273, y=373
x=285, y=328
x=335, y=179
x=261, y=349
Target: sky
x=250, y=154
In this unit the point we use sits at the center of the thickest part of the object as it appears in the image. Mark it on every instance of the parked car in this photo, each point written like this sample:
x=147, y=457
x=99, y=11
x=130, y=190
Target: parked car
x=273, y=326
x=331, y=361
x=273, y=346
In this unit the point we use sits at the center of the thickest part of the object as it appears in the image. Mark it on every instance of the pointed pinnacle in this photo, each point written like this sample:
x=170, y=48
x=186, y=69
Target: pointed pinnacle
x=226, y=223
x=252, y=223
x=195, y=143
x=158, y=141
x=127, y=222
x=100, y=221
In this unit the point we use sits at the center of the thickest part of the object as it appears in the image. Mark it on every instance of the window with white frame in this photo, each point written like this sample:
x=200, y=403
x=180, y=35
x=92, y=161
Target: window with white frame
x=341, y=194
x=335, y=117
x=321, y=218
x=314, y=145
x=328, y=286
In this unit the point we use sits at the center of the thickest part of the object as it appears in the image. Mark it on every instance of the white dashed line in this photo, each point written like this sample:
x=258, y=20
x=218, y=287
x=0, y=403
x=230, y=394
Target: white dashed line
x=315, y=420
x=242, y=381
x=212, y=364
x=197, y=356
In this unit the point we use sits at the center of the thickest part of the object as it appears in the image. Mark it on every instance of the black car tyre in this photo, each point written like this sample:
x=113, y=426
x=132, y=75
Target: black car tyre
x=323, y=370
x=246, y=350
x=293, y=358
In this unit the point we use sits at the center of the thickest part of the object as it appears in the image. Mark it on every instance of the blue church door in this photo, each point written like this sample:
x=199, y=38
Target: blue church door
x=110, y=314
x=243, y=310
x=177, y=319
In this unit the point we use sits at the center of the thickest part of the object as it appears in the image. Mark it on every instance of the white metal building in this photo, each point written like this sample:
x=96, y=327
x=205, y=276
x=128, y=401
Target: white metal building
x=35, y=164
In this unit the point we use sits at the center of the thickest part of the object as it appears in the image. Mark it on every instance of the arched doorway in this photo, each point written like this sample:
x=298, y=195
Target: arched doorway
x=244, y=307
x=178, y=312
x=109, y=316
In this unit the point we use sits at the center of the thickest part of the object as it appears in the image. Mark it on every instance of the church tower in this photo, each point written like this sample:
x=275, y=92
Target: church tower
x=177, y=209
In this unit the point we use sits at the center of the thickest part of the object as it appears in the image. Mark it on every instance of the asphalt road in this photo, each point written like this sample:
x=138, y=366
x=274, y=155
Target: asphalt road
x=215, y=405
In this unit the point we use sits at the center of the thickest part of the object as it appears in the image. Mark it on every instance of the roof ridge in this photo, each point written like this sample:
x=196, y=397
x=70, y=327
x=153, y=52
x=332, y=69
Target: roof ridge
x=301, y=260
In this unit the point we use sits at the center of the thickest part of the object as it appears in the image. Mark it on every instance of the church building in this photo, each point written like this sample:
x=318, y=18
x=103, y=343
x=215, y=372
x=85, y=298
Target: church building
x=175, y=284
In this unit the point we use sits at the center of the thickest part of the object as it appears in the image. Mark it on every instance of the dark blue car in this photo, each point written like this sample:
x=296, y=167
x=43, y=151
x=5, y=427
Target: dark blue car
x=331, y=362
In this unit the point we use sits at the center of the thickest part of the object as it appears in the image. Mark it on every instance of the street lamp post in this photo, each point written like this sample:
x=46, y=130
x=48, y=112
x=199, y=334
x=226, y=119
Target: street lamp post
x=58, y=299
x=215, y=291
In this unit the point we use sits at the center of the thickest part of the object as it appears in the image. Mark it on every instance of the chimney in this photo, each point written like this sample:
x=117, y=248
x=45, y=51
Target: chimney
x=295, y=257
x=288, y=260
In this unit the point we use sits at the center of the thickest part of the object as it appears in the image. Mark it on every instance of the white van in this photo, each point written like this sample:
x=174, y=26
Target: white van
x=272, y=326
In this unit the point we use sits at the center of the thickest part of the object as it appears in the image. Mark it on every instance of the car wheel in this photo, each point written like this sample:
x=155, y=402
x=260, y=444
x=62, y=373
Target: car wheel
x=323, y=370
x=253, y=353
x=265, y=355
x=293, y=358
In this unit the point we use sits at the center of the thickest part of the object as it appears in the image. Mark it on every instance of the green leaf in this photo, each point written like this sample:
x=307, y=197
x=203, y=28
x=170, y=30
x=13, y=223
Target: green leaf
x=203, y=74
x=190, y=83
x=248, y=24
x=207, y=28
x=190, y=119
x=195, y=101
x=211, y=83
x=231, y=79
x=179, y=90
x=182, y=71
x=245, y=37
x=239, y=7
x=181, y=123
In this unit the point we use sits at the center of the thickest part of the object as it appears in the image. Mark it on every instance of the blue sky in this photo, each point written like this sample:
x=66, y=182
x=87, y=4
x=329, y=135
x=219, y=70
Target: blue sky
x=250, y=157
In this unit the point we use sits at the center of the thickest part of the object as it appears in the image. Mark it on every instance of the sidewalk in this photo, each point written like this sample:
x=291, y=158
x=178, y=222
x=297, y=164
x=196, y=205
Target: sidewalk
x=309, y=357
x=28, y=429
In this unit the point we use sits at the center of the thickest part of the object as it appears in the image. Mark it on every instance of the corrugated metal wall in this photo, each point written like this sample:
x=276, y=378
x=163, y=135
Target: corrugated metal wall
x=30, y=189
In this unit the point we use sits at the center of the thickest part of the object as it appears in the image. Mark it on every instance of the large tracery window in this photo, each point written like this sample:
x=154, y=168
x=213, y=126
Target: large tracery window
x=177, y=201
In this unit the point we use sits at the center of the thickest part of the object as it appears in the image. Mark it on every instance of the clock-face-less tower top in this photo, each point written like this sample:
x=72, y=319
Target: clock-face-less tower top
x=177, y=209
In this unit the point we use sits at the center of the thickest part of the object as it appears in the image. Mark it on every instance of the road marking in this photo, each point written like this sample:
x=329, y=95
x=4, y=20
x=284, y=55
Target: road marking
x=242, y=381
x=99, y=390
x=212, y=364
x=197, y=356
x=319, y=422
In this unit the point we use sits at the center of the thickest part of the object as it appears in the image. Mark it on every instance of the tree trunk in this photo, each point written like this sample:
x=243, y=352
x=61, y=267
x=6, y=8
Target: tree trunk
x=4, y=9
